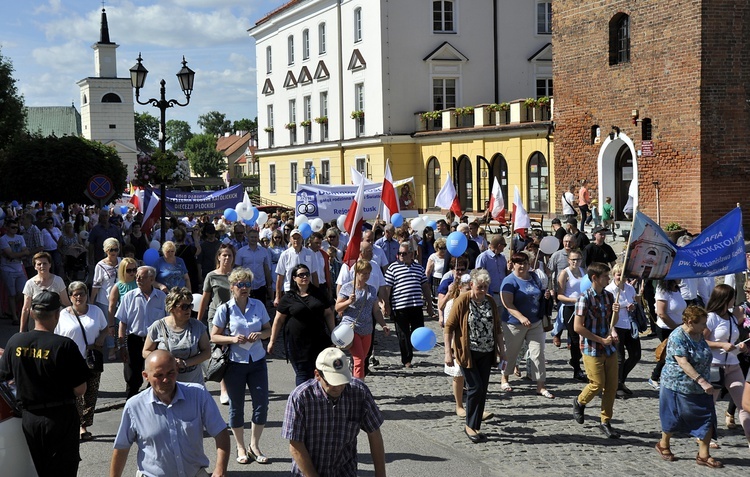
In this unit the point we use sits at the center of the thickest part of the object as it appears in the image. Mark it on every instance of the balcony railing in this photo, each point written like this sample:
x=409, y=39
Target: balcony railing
x=517, y=112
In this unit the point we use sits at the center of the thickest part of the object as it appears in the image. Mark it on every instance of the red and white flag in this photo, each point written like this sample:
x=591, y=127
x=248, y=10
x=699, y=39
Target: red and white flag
x=447, y=197
x=521, y=220
x=151, y=210
x=388, y=195
x=497, y=203
x=137, y=198
x=353, y=225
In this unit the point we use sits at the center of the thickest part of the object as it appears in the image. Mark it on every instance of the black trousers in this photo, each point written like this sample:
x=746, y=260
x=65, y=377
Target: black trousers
x=477, y=379
x=575, y=340
x=407, y=320
x=134, y=367
x=631, y=346
x=52, y=436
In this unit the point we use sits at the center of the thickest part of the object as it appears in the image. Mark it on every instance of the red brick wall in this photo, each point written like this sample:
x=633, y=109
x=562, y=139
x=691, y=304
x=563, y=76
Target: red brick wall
x=688, y=71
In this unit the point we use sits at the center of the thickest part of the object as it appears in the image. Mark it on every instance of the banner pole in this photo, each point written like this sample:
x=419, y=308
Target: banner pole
x=623, y=277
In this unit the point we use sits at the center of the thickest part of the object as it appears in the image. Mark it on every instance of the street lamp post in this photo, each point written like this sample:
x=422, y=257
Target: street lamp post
x=186, y=76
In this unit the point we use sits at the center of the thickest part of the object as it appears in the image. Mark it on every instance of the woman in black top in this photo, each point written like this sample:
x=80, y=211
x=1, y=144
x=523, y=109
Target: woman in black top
x=310, y=322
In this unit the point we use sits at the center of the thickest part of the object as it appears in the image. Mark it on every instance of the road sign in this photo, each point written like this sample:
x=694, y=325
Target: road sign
x=99, y=189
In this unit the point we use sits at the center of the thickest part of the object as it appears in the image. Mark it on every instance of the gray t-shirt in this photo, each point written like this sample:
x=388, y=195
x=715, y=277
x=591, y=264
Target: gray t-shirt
x=218, y=285
x=182, y=344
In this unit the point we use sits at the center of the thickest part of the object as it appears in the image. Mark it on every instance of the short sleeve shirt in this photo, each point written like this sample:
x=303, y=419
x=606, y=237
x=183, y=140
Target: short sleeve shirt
x=32, y=288
x=406, y=284
x=243, y=322
x=182, y=344
x=359, y=312
x=15, y=244
x=93, y=322
x=218, y=285
x=171, y=274
x=596, y=310
x=698, y=355
x=526, y=297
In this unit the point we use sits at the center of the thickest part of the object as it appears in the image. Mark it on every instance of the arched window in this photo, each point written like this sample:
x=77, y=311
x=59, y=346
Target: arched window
x=305, y=44
x=619, y=39
x=111, y=98
x=465, y=183
x=538, y=185
x=499, y=167
x=433, y=181
x=85, y=99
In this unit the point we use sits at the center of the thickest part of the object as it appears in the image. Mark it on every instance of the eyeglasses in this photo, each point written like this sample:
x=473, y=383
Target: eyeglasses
x=185, y=306
x=78, y=295
x=243, y=284
x=131, y=270
x=439, y=248
x=113, y=250
x=303, y=275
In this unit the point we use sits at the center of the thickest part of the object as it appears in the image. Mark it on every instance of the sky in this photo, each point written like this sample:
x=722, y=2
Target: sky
x=49, y=44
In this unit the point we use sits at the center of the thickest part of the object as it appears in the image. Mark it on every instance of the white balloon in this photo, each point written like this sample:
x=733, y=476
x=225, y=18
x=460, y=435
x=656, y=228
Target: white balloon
x=84, y=235
x=418, y=225
x=316, y=224
x=155, y=244
x=300, y=219
x=117, y=211
x=426, y=218
x=549, y=244
x=197, y=299
x=243, y=211
x=340, y=222
x=343, y=335
x=262, y=218
x=86, y=218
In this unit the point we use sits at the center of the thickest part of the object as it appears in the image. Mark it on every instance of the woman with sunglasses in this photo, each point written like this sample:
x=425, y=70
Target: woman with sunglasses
x=125, y=282
x=308, y=310
x=242, y=323
x=569, y=289
x=73, y=320
x=186, y=338
x=44, y=280
x=105, y=275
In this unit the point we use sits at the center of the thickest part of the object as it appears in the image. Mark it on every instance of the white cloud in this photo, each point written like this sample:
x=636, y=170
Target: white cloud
x=50, y=8
x=66, y=57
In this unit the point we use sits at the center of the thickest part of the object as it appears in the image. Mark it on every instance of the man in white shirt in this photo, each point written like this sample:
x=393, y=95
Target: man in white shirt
x=568, y=203
x=288, y=259
x=377, y=252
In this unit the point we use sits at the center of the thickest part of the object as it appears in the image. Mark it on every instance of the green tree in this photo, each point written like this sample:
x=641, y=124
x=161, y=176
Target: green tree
x=250, y=125
x=205, y=160
x=12, y=109
x=57, y=169
x=146, y=132
x=178, y=133
x=214, y=123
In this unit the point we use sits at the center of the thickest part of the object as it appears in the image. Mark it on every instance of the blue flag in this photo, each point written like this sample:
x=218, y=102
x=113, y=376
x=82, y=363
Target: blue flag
x=718, y=250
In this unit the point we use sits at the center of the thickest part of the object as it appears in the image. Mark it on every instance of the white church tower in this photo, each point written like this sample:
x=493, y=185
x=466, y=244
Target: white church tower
x=107, y=109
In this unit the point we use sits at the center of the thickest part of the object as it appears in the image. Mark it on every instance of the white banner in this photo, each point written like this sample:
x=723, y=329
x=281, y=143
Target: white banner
x=329, y=201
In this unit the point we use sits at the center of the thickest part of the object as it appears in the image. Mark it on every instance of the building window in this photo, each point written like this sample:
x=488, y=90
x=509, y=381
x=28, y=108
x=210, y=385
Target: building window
x=293, y=120
x=359, y=105
x=309, y=172
x=268, y=60
x=357, y=24
x=307, y=113
x=269, y=112
x=111, y=98
x=272, y=178
x=325, y=172
x=443, y=93
x=360, y=163
x=321, y=38
x=433, y=179
x=305, y=44
x=543, y=87
x=619, y=39
x=293, y=180
x=443, y=16
x=290, y=50
x=538, y=186
x=544, y=18
x=324, y=114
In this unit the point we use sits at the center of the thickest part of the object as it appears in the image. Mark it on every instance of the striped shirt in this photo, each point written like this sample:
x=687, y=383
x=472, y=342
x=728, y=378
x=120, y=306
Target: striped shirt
x=596, y=310
x=406, y=284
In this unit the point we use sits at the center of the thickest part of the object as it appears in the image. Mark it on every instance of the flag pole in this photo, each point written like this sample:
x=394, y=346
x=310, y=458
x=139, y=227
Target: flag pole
x=621, y=285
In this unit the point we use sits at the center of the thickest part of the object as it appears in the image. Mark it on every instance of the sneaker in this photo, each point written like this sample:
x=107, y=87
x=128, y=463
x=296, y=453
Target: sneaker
x=224, y=399
x=578, y=410
x=653, y=384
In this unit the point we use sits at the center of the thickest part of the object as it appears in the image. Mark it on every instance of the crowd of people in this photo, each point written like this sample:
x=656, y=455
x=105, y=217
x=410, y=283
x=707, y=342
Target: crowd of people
x=270, y=290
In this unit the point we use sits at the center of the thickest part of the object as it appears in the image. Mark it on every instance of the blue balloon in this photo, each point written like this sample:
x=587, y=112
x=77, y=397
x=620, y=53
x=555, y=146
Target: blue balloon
x=456, y=243
x=432, y=224
x=305, y=230
x=2, y=213
x=123, y=209
x=249, y=222
x=230, y=214
x=106, y=208
x=14, y=203
x=423, y=339
x=255, y=212
x=150, y=257
x=397, y=220
x=585, y=283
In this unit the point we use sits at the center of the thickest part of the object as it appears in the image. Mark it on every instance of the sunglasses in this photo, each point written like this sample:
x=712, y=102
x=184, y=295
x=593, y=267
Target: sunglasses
x=439, y=248
x=303, y=275
x=401, y=254
x=243, y=284
x=114, y=250
x=185, y=306
x=131, y=270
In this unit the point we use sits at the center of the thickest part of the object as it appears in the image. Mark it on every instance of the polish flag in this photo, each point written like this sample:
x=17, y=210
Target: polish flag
x=357, y=176
x=521, y=220
x=137, y=198
x=353, y=225
x=497, y=204
x=388, y=195
x=447, y=197
x=151, y=210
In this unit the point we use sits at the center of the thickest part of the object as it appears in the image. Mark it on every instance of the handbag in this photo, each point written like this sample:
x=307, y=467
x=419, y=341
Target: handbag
x=661, y=351
x=94, y=357
x=547, y=323
x=219, y=360
x=545, y=306
x=638, y=315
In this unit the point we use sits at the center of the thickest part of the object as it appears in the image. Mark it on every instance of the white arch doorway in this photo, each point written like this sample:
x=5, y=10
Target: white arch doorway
x=615, y=171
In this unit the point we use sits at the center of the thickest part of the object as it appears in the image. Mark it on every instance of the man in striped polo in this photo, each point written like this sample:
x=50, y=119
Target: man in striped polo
x=407, y=290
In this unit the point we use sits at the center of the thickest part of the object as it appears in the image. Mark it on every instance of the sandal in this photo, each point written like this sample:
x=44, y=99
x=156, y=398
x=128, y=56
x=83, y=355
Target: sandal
x=708, y=462
x=243, y=459
x=259, y=457
x=545, y=393
x=505, y=387
x=714, y=444
x=86, y=436
x=665, y=452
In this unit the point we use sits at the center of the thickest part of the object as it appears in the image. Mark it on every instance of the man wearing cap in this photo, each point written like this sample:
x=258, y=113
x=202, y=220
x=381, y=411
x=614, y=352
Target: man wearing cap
x=289, y=258
x=166, y=422
x=599, y=251
x=572, y=228
x=496, y=265
x=319, y=421
x=50, y=373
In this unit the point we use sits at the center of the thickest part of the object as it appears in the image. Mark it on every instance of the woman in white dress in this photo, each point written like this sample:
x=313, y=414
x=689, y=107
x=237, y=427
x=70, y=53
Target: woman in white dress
x=44, y=280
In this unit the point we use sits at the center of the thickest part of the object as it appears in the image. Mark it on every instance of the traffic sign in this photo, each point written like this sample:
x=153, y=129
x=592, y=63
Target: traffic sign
x=99, y=189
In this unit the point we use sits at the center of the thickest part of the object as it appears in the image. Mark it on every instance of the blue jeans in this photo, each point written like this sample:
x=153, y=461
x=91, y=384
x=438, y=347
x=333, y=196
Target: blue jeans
x=303, y=371
x=255, y=376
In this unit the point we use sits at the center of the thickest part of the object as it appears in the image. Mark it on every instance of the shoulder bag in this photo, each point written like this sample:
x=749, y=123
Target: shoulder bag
x=94, y=357
x=545, y=305
x=219, y=360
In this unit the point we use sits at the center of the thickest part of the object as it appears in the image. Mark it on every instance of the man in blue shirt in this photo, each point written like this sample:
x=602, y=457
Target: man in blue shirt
x=166, y=421
x=258, y=260
x=496, y=265
x=388, y=243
